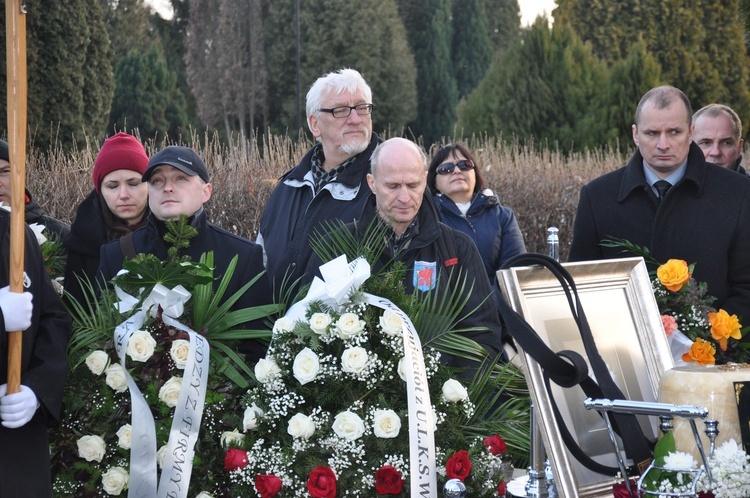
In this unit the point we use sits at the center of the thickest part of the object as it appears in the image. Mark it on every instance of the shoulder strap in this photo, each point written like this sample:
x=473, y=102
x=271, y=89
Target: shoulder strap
x=128, y=246
x=568, y=368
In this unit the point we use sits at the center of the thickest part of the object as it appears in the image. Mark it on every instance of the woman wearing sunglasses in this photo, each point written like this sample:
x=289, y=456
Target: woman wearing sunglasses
x=464, y=204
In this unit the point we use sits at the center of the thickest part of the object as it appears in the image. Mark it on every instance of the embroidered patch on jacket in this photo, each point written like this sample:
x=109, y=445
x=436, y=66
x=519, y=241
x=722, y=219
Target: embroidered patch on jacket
x=424, y=275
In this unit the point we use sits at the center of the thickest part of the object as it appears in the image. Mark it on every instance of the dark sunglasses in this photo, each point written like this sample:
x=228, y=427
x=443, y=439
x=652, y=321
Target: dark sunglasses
x=448, y=168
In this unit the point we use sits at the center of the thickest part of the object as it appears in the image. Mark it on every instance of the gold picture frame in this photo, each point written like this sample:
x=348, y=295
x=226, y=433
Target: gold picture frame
x=619, y=303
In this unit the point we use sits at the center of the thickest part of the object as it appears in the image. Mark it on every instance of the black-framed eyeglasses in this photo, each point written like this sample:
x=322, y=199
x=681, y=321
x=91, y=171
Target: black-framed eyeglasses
x=448, y=168
x=345, y=110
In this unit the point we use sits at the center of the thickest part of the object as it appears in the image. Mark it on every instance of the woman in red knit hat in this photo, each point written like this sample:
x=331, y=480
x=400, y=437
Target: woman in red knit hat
x=117, y=205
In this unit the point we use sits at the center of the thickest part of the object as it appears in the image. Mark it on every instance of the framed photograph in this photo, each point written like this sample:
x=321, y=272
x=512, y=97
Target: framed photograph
x=619, y=303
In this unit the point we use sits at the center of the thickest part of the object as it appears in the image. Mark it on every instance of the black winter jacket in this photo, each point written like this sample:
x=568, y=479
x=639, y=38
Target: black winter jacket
x=294, y=212
x=225, y=245
x=83, y=242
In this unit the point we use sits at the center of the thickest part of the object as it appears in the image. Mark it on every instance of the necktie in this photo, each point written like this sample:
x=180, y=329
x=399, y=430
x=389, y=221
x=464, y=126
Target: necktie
x=662, y=187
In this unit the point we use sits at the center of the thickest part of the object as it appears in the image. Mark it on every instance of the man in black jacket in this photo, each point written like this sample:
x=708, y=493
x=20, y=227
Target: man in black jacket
x=330, y=182
x=26, y=415
x=434, y=254
x=702, y=215
x=178, y=183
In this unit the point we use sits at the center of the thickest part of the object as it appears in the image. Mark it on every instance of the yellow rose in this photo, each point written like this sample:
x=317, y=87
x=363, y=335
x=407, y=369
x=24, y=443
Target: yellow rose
x=673, y=274
x=724, y=326
x=701, y=352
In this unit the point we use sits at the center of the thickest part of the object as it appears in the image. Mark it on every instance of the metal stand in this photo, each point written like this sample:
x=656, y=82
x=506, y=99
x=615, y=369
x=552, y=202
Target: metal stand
x=665, y=412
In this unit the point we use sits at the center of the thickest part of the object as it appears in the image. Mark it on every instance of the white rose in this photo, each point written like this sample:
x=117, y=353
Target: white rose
x=386, y=424
x=141, y=346
x=283, y=324
x=354, y=360
x=349, y=325
x=250, y=419
x=161, y=455
x=402, y=369
x=391, y=323
x=116, y=377
x=348, y=425
x=204, y=494
x=124, y=435
x=97, y=361
x=301, y=426
x=179, y=352
x=91, y=448
x=170, y=391
x=266, y=370
x=306, y=366
x=454, y=391
x=233, y=437
x=320, y=322
x=114, y=480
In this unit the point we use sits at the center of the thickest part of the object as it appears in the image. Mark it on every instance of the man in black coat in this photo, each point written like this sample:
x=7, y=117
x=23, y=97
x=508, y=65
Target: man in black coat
x=702, y=216
x=330, y=183
x=718, y=132
x=25, y=415
x=432, y=252
x=178, y=184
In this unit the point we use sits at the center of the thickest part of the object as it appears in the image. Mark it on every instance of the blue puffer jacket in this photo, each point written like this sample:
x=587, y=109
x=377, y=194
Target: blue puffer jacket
x=493, y=228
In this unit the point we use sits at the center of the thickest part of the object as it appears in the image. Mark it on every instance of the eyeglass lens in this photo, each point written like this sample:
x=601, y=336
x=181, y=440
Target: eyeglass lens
x=448, y=168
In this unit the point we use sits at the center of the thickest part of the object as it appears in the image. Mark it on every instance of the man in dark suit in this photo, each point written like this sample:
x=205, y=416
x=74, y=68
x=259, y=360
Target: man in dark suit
x=670, y=200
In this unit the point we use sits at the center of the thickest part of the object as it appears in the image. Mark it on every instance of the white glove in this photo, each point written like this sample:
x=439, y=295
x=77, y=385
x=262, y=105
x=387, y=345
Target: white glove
x=17, y=409
x=16, y=308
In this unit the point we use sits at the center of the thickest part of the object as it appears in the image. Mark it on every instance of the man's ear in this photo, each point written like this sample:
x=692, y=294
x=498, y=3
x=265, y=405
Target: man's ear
x=635, y=135
x=312, y=123
x=371, y=182
x=207, y=190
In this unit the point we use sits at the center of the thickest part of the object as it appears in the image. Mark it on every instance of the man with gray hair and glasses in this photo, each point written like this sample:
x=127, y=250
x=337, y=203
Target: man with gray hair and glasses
x=718, y=132
x=331, y=180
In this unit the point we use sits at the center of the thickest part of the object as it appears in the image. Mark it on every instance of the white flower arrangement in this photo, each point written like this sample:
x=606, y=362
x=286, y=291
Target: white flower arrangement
x=330, y=401
x=675, y=472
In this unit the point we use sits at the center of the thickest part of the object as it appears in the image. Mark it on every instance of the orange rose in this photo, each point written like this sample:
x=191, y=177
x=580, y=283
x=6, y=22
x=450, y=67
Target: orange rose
x=701, y=352
x=724, y=326
x=673, y=274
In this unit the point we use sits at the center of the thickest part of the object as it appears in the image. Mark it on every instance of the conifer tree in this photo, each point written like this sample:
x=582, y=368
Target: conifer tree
x=429, y=32
x=69, y=72
x=368, y=36
x=147, y=97
x=542, y=88
x=472, y=51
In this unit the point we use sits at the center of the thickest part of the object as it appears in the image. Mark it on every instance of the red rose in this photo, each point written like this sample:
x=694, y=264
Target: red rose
x=322, y=483
x=501, y=488
x=620, y=491
x=388, y=481
x=495, y=444
x=267, y=486
x=235, y=459
x=458, y=466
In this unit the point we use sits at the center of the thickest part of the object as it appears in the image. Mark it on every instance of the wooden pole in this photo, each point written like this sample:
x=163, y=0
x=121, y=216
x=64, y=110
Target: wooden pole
x=15, y=39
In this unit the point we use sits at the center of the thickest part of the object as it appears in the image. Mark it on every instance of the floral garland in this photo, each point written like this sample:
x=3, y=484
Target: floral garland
x=327, y=416
x=91, y=449
x=714, y=337
x=698, y=333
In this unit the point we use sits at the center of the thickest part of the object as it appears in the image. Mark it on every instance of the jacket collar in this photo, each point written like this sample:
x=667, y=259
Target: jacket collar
x=635, y=180
x=350, y=177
